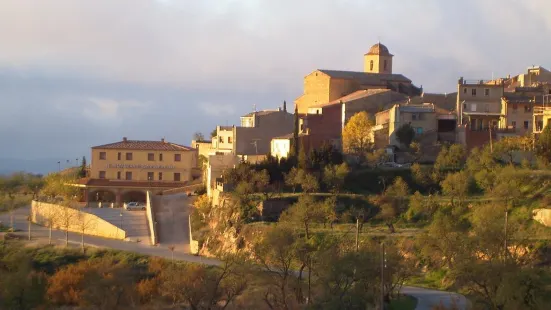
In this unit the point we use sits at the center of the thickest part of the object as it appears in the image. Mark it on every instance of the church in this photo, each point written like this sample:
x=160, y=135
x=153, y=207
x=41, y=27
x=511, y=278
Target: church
x=323, y=87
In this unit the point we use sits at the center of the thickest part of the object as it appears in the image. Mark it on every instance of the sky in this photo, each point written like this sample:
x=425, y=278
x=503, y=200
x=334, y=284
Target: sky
x=74, y=74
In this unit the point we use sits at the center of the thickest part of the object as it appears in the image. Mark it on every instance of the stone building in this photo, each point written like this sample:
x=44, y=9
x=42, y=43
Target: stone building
x=252, y=140
x=325, y=86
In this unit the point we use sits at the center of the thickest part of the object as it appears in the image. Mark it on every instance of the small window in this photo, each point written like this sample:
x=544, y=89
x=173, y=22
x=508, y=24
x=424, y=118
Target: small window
x=526, y=124
x=150, y=157
x=414, y=117
x=473, y=107
x=177, y=157
x=221, y=139
x=160, y=176
x=514, y=124
x=527, y=109
x=486, y=108
x=128, y=156
x=161, y=157
x=473, y=92
x=102, y=174
x=384, y=65
x=229, y=139
x=119, y=174
x=371, y=65
x=102, y=155
x=177, y=177
x=465, y=90
x=150, y=176
x=129, y=175
x=487, y=92
x=464, y=106
x=119, y=156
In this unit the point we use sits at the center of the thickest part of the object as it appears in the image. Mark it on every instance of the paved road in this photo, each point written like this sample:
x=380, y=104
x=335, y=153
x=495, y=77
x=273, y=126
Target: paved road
x=427, y=299
x=40, y=236
x=171, y=214
x=133, y=222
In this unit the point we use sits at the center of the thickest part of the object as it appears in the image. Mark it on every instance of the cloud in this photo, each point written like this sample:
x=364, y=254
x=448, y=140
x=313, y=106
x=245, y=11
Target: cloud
x=214, y=109
x=109, y=109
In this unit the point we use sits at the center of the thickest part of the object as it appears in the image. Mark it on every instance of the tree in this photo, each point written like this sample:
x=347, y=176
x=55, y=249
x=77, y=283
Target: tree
x=356, y=134
x=304, y=213
x=451, y=157
x=543, y=144
x=198, y=136
x=405, y=134
x=85, y=223
x=11, y=187
x=214, y=133
x=296, y=130
x=456, y=185
x=416, y=151
x=393, y=202
x=376, y=157
x=299, y=177
x=334, y=176
x=82, y=173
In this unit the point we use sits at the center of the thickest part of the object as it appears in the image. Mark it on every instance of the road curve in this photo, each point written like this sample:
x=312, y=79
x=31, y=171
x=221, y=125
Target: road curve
x=427, y=299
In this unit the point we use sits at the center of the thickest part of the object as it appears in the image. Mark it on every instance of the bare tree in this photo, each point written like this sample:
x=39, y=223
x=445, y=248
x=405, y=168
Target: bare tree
x=66, y=216
x=85, y=222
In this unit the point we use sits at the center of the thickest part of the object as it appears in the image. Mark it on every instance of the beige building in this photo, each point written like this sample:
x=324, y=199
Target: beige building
x=124, y=170
x=325, y=86
x=281, y=146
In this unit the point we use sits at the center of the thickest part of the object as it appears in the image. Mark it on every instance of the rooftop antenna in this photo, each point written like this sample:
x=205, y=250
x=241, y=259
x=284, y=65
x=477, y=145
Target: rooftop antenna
x=255, y=143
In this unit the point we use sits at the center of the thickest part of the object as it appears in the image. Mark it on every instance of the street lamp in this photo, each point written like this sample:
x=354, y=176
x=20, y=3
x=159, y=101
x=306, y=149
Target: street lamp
x=59, y=166
x=121, y=220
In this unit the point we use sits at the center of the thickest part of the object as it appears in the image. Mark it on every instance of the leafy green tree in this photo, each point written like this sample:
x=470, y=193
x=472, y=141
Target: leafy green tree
x=405, y=134
x=82, y=172
x=543, y=144
x=20, y=286
x=214, y=133
x=376, y=157
x=304, y=213
x=457, y=186
x=393, y=202
x=421, y=207
x=295, y=147
x=198, y=136
x=451, y=157
x=334, y=176
x=356, y=135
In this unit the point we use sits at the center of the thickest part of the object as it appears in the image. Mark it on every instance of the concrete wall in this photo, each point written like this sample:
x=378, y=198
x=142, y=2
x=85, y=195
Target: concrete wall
x=41, y=212
x=151, y=219
x=316, y=91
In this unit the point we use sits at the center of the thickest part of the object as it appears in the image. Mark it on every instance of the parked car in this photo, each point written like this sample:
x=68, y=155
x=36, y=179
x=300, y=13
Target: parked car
x=392, y=164
x=134, y=206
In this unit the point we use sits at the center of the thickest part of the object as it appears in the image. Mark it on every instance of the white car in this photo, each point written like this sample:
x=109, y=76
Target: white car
x=134, y=206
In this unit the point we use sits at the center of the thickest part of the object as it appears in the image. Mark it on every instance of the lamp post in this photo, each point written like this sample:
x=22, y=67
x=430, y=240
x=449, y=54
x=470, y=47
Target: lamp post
x=59, y=166
x=121, y=220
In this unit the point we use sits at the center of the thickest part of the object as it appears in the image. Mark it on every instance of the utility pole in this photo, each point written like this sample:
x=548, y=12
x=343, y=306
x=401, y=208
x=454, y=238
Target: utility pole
x=506, y=223
x=383, y=263
x=491, y=144
x=357, y=232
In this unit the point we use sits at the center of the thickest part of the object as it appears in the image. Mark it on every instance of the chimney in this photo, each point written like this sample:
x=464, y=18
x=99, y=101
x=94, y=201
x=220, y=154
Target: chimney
x=124, y=139
x=163, y=140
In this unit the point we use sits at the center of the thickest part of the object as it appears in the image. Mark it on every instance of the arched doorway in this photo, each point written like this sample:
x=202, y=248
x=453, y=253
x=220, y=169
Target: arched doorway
x=101, y=195
x=137, y=196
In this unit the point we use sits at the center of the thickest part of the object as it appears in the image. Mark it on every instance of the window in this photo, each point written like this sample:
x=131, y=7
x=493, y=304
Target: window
x=419, y=130
x=527, y=109
x=526, y=124
x=414, y=116
x=102, y=174
x=102, y=155
x=119, y=156
x=473, y=107
x=128, y=156
x=177, y=157
x=177, y=176
x=514, y=124
x=486, y=92
x=119, y=174
x=465, y=90
x=150, y=157
x=486, y=108
x=473, y=92
x=371, y=65
x=229, y=139
x=160, y=176
x=129, y=175
x=161, y=157
x=150, y=176
x=221, y=139
x=384, y=65
x=464, y=106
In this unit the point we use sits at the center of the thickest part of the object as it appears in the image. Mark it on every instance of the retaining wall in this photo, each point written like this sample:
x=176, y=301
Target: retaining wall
x=76, y=220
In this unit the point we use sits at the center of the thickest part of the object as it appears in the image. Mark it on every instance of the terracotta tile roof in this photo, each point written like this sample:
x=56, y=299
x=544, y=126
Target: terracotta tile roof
x=144, y=145
x=366, y=78
x=395, y=96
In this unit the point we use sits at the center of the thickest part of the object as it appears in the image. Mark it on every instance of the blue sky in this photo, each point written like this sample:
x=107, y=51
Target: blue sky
x=79, y=73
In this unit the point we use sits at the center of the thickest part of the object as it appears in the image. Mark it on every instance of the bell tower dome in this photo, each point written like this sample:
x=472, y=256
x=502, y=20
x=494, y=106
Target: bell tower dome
x=378, y=60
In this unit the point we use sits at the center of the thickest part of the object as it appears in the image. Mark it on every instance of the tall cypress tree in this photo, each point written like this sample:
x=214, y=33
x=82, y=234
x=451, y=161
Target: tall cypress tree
x=295, y=133
x=82, y=171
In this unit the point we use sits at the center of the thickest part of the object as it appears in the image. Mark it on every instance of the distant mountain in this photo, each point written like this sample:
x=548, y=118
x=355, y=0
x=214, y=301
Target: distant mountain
x=42, y=166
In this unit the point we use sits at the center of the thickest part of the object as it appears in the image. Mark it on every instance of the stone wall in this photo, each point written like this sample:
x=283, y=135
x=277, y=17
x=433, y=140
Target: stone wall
x=77, y=220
